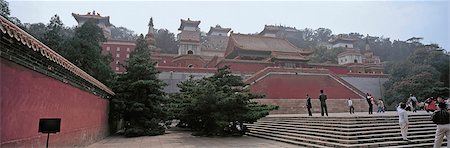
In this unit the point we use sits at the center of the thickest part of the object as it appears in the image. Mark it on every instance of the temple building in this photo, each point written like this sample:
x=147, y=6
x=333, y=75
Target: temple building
x=118, y=49
x=358, y=61
x=263, y=48
x=101, y=21
x=189, y=37
x=215, y=42
x=278, y=31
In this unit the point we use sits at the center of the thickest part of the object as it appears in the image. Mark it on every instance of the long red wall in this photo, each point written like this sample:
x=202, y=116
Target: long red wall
x=280, y=86
x=27, y=96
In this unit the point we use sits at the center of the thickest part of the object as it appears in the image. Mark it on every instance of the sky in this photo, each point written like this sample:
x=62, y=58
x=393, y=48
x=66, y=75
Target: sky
x=397, y=20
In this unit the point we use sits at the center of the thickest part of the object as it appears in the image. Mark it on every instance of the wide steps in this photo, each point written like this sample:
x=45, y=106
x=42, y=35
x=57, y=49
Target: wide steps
x=346, y=131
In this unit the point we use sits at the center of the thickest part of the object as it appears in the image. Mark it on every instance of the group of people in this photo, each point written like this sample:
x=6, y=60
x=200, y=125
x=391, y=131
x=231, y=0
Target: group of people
x=323, y=104
x=441, y=118
x=371, y=101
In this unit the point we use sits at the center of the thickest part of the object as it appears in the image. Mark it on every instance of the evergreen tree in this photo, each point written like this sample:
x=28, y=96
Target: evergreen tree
x=139, y=97
x=53, y=37
x=85, y=52
x=210, y=104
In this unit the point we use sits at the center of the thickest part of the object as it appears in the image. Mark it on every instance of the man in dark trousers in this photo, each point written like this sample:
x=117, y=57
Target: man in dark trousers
x=323, y=104
x=308, y=104
x=442, y=119
x=369, y=101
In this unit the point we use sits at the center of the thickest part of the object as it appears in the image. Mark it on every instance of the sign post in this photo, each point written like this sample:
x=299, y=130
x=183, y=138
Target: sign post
x=49, y=125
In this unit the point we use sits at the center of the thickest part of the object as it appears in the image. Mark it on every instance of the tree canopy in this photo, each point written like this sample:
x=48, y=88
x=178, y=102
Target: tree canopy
x=208, y=105
x=139, y=97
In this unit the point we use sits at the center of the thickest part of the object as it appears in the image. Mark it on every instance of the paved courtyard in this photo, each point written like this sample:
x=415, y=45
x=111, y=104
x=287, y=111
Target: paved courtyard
x=184, y=139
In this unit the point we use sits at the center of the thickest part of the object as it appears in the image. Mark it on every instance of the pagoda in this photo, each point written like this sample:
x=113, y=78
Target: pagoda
x=101, y=21
x=189, y=37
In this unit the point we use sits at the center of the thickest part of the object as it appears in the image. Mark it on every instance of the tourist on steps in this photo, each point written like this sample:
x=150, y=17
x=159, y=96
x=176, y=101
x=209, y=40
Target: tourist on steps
x=403, y=120
x=380, y=106
x=413, y=100
x=369, y=101
x=308, y=104
x=350, y=105
x=442, y=119
x=323, y=103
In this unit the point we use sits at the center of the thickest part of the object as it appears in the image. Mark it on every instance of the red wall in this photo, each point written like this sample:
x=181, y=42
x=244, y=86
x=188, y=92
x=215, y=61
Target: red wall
x=276, y=86
x=244, y=67
x=123, y=45
x=27, y=96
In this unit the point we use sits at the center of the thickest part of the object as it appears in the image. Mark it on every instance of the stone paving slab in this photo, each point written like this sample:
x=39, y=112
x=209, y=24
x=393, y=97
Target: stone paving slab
x=184, y=139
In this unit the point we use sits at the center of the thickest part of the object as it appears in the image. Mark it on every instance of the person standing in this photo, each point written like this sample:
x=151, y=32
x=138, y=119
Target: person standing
x=308, y=104
x=323, y=103
x=413, y=100
x=380, y=106
x=369, y=101
x=403, y=120
x=442, y=120
x=350, y=105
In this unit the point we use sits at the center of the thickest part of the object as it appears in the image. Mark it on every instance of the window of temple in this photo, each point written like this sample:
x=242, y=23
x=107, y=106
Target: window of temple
x=118, y=48
x=190, y=52
x=108, y=48
x=356, y=61
x=190, y=65
x=117, y=55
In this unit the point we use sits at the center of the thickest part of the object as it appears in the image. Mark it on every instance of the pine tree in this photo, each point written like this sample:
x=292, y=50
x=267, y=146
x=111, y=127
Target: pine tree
x=210, y=104
x=139, y=97
x=84, y=51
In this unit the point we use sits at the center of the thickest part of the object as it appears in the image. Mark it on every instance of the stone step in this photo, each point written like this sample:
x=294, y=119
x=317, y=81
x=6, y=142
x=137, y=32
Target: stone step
x=344, y=135
x=388, y=143
x=352, y=127
x=397, y=137
x=304, y=144
x=346, y=121
x=341, y=131
x=429, y=142
x=355, y=118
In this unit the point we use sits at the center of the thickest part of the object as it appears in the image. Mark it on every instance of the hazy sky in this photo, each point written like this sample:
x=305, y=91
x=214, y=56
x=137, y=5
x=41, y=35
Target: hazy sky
x=393, y=19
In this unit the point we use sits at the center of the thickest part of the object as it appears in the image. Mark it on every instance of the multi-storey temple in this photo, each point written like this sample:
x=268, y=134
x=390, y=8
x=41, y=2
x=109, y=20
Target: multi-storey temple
x=267, y=61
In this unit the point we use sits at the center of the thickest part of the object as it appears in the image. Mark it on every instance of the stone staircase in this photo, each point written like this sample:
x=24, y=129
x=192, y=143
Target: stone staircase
x=344, y=130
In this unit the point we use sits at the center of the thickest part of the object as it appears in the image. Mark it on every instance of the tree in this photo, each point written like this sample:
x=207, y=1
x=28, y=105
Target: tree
x=208, y=105
x=85, y=52
x=324, y=55
x=139, y=97
x=4, y=9
x=54, y=36
x=122, y=33
x=166, y=41
x=420, y=75
x=322, y=34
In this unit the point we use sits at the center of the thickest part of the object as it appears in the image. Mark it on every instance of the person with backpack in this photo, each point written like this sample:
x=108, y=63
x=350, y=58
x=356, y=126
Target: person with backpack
x=413, y=100
x=442, y=120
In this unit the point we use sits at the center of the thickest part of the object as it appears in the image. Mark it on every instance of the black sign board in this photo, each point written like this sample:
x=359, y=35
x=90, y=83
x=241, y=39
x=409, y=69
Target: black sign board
x=49, y=125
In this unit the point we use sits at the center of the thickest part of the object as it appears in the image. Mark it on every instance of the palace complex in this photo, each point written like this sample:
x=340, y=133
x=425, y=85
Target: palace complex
x=267, y=61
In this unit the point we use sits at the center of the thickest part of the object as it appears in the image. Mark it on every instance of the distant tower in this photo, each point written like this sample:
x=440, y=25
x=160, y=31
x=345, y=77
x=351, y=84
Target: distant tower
x=102, y=21
x=151, y=35
x=189, y=37
x=368, y=53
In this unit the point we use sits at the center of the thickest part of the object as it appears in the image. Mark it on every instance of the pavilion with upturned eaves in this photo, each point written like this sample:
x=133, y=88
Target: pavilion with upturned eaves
x=262, y=48
x=101, y=21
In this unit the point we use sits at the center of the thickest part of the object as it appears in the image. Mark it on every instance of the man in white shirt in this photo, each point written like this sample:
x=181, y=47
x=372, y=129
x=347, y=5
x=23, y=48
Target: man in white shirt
x=403, y=120
x=350, y=105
